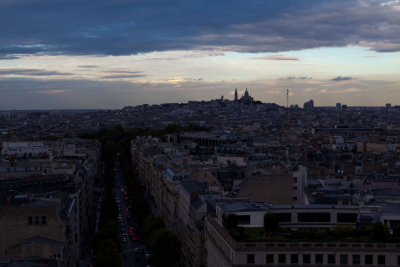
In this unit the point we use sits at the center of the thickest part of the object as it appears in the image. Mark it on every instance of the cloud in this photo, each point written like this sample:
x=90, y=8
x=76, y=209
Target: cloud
x=348, y=90
x=277, y=57
x=8, y=57
x=123, y=27
x=340, y=78
x=123, y=76
x=275, y=92
x=323, y=91
x=50, y=92
x=31, y=72
x=122, y=71
x=88, y=66
x=296, y=78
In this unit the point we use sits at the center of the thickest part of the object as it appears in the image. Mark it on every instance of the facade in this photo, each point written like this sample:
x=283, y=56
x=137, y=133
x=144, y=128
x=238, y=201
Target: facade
x=224, y=251
x=49, y=212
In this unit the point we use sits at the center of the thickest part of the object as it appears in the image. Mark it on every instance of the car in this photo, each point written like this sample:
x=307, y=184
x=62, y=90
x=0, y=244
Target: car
x=124, y=238
x=136, y=250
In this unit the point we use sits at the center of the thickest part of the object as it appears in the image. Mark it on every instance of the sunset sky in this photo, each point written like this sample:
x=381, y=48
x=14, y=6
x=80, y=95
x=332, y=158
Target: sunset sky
x=113, y=53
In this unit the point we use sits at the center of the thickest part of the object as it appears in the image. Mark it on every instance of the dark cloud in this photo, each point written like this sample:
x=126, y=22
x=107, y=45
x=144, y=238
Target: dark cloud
x=122, y=71
x=88, y=66
x=8, y=57
x=123, y=27
x=123, y=76
x=296, y=78
x=340, y=78
x=31, y=72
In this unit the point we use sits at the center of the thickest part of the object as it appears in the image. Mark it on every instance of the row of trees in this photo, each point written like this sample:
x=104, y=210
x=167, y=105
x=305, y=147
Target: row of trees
x=106, y=243
x=164, y=246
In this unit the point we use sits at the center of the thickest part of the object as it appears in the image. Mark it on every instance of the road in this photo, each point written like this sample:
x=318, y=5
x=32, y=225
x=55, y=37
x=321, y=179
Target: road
x=133, y=249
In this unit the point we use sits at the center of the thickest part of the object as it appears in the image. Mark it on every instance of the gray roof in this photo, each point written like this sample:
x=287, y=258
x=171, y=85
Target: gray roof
x=193, y=186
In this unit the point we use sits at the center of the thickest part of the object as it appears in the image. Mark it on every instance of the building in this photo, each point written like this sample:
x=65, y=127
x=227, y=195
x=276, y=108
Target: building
x=309, y=105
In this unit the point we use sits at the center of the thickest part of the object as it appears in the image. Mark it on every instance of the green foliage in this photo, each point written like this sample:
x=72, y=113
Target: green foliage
x=231, y=221
x=165, y=248
x=271, y=223
x=111, y=258
x=380, y=232
x=110, y=231
x=150, y=225
x=341, y=231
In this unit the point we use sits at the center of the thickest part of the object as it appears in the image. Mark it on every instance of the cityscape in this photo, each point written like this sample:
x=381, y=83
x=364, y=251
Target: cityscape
x=199, y=133
x=233, y=182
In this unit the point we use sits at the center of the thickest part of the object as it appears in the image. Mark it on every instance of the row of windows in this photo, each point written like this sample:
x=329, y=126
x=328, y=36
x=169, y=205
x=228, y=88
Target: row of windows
x=36, y=220
x=317, y=217
x=319, y=259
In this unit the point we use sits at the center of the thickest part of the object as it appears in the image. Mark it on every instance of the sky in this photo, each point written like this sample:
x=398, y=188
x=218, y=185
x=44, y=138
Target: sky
x=68, y=54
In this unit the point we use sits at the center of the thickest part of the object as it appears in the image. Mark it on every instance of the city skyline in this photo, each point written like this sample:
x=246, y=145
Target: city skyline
x=78, y=54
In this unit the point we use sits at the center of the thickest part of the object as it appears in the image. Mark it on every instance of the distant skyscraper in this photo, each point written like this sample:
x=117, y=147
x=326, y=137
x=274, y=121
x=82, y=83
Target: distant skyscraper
x=388, y=106
x=338, y=107
x=236, y=95
x=309, y=105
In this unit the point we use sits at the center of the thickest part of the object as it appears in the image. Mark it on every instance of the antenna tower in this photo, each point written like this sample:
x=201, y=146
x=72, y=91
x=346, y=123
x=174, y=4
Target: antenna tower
x=287, y=115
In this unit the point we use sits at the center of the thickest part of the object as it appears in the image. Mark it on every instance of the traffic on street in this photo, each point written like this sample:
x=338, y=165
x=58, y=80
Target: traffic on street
x=133, y=250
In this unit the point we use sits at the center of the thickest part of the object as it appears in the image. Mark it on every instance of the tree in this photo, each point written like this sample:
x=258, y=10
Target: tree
x=110, y=231
x=343, y=231
x=165, y=248
x=271, y=223
x=150, y=225
x=111, y=258
x=231, y=221
x=380, y=232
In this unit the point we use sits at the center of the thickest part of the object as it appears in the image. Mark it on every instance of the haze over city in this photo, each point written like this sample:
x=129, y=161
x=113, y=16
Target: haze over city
x=111, y=54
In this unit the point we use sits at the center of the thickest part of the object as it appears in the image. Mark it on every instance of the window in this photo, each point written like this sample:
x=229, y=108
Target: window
x=319, y=258
x=294, y=179
x=314, y=217
x=331, y=259
x=283, y=217
x=36, y=219
x=306, y=258
x=250, y=258
x=294, y=258
x=398, y=260
x=381, y=259
x=295, y=198
x=282, y=258
x=368, y=259
x=243, y=219
x=356, y=259
x=269, y=258
x=44, y=221
x=30, y=221
x=347, y=217
x=343, y=259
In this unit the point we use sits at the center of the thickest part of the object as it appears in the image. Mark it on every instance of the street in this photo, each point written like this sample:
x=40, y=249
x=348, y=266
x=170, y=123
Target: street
x=133, y=249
